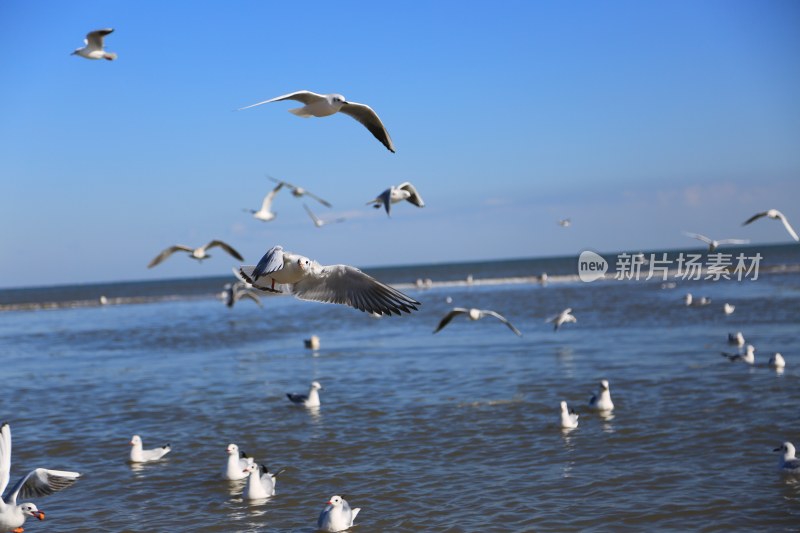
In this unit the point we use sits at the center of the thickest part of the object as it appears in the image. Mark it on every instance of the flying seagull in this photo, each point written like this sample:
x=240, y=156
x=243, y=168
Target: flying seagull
x=393, y=195
x=562, y=318
x=338, y=284
x=265, y=213
x=774, y=213
x=323, y=105
x=565, y=223
x=299, y=192
x=233, y=292
x=94, y=46
x=714, y=244
x=194, y=253
x=318, y=222
x=36, y=483
x=474, y=314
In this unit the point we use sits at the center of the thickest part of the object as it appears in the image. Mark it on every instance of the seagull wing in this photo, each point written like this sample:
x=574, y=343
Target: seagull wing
x=449, y=317
x=168, y=252
x=343, y=284
x=41, y=482
x=5, y=456
x=734, y=241
x=502, y=319
x=317, y=198
x=271, y=262
x=754, y=217
x=698, y=237
x=94, y=39
x=369, y=119
x=788, y=226
x=249, y=294
x=267, y=203
x=415, y=198
x=315, y=218
x=306, y=97
x=225, y=246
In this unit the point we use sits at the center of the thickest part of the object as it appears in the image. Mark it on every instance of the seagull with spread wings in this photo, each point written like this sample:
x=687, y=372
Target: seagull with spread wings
x=474, y=314
x=94, y=46
x=777, y=215
x=194, y=253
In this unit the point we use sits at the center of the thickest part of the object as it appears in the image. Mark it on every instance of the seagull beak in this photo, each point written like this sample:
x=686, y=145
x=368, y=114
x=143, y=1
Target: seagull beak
x=776, y=450
x=131, y=443
x=39, y=515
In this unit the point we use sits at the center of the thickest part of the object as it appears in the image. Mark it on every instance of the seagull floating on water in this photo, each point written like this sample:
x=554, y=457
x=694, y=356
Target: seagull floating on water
x=777, y=361
x=777, y=215
x=474, y=314
x=788, y=463
x=194, y=253
x=728, y=309
x=714, y=244
x=138, y=455
x=562, y=318
x=602, y=400
x=307, y=400
x=569, y=418
x=299, y=192
x=689, y=300
x=736, y=339
x=260, y=482
x=265, y=213
x=94, y=46
x=337, y=515
x=747, y=357
x=36, y=483
x=392, y=195
x=237, y=462
x=338, y=284
x=318, y=222
x=323, y=105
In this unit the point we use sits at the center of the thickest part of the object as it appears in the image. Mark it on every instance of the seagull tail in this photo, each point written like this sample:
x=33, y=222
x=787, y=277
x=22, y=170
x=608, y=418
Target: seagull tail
x=300, y=112
x=110, y=56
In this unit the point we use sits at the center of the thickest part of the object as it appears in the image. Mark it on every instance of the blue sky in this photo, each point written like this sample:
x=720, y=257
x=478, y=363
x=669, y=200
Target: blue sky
x=638, y=120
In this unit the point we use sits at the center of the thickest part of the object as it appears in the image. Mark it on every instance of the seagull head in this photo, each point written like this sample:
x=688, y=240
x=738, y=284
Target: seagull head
x=31, y=510
x=787, y=448
x=232, y=449
x=136, y=440
x=252, y=467
x=604, y=384
x=338, y=99
x=336, y=501
x=315, y=385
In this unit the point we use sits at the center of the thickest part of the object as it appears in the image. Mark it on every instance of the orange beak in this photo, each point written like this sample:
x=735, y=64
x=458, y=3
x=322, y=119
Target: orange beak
x=39, y=515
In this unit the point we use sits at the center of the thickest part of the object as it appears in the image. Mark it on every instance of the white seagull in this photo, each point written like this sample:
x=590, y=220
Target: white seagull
x=337, y=515
x=194, y=253
x=728, y=309
x=562, y=318
x=788, y=463
x=474, y=314
x=714, y=244
x=233, y=292
x=748, y=357
x=36, y=483
x=307, y=400
x=94, y=46
x=393, y=195
x=138, y=455
x=777, y=361
x=774, y=213
x=323, y=105
x=318, y=222
x=569, y=418
x=237, y=462
x=736, y=339
x=602, y=400
x=338, y=284
x=565, y=222
x=299, y=192
x=260, y=482
x=265, y=213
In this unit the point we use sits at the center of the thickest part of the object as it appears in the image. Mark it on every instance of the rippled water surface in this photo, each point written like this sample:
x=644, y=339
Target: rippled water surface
x=448, y=432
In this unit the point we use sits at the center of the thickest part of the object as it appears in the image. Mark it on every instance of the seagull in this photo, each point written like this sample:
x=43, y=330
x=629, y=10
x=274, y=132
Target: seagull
x=233, y=292
x=36, y=483
x=736, y=339
x=138, y=455
x=298, y=192
x=237, y=462
x=338, y=284
x=569, y=418
x=307, y=400
x=713, y=244
x=748, y=357
x=195, y=253
x=318, y=222
x=337, y=515
x=561, y=318
x=323, y=105
x=260, y=482
x=777, y=361
x=474, y=314
x=94, y=46
x=564, y=222
x=774, y=213
x=312, y=343
x=788, y=463
x=602, y=400
x=728, y=309
x=393, y=195
x=689, y=300
x=265, y=212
